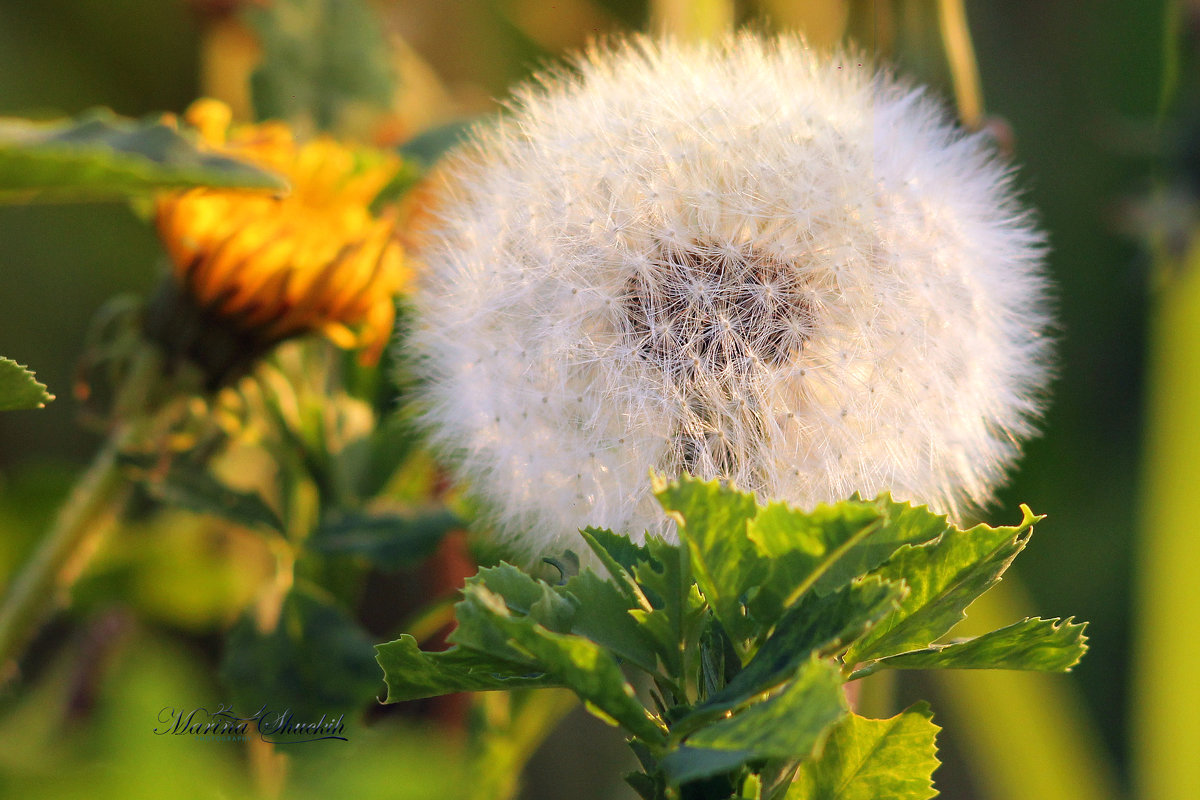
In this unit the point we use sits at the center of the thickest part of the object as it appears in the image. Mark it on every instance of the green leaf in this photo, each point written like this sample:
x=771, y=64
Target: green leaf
x=411, y=674
x=322, y=61
x=19, y=389
x=1045, y=645
x=429, y=146
x=725, y=563
x=389, y=541
x=944, y=577
x=802, y=547
x=685, y=764
x=192, y=486
x=817, y=625
x=786, y=726
x=315, y=660
x=903, y=524
x=577, y=663
x=602, y=615
x=102, y=156
x=869, y=759
x=679, y=610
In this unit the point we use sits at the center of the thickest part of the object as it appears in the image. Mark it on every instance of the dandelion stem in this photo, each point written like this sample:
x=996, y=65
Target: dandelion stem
x=62, y=554
x=960, y=53
x=692, y=19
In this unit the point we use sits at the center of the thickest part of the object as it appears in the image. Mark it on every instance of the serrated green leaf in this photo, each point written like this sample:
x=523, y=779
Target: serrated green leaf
x=316, y=660
x=389, y=541
x=1045, y=645
x=944, y=577
x=19, y=389
x=411, y=674
x=192, y=486
x=675, y=621
x=870, y=759
x=102, y=156
x=902, y=524
x=817, y=625
x=725, y=563
x=803, y=546
x=322, y=60
x=579, y=664
x=786, y=726
x=619, y=555
x=602, y=615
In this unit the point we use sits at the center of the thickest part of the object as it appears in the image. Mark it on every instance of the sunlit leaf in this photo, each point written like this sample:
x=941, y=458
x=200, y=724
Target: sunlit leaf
x=871, y=759
x=102, y=156
x=19, y=389
x=944, y=577
x=817, y=625
x=1045, y=645
x=725, y=563
x=786, y=726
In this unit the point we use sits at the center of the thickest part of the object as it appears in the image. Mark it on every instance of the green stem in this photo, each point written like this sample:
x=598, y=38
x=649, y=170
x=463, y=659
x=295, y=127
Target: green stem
x=90, y=511
x=62, y=554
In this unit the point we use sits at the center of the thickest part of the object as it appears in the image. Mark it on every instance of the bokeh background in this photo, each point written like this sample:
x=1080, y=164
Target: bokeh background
x=1080, y=83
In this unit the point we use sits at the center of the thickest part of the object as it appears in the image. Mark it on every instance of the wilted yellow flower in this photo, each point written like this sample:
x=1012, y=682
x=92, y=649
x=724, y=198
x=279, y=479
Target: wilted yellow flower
x=276, y=266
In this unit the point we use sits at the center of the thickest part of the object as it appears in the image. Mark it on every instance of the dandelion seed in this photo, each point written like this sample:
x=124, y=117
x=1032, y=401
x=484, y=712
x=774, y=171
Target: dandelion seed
x=739, y=260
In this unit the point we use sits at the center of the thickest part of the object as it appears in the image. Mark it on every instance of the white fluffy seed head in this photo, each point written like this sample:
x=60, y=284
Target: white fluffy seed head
x=742, y=260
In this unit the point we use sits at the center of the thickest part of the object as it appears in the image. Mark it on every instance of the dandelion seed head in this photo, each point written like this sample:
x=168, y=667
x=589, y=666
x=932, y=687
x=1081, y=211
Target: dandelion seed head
x=742, y=260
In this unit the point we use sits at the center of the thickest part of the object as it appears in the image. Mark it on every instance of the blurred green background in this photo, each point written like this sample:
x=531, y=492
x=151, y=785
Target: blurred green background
x=1079, y=81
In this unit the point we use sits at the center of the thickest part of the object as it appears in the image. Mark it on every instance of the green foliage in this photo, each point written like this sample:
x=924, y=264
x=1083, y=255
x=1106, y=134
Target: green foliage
x=389, y=541
x=191, y=485
x=19, y=389
x=322, y=61
x=314, y=660
x=866, y=759
x=102, y=156
x=747, y=632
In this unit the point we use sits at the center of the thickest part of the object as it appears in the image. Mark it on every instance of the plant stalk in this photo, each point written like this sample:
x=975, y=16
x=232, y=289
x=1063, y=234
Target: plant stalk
x=64, y=552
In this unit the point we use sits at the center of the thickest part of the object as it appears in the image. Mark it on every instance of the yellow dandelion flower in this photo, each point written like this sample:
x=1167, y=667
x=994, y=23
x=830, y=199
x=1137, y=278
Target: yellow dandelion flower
x=262, y=268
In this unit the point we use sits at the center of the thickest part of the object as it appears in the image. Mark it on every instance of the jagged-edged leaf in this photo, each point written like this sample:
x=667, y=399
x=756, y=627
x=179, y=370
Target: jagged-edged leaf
x=412, y=674
x=871, y=759
x=315, y=660
x=389, y=541
x=902, y=524
x=602, y=615
x=102, y=156
x=572, y=661
x=1046, y=645
x=802, y=547
x=192, y=486
x=19, y=389
x=676, y=619
x=724, y=562
x=944, y=577
x=322, y=60
x=817, y=625
x=787, y=725
x=618, y=555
